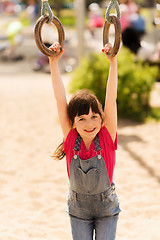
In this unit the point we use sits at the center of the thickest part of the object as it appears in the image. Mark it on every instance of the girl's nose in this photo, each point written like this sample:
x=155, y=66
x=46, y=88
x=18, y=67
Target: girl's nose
x=89, y=122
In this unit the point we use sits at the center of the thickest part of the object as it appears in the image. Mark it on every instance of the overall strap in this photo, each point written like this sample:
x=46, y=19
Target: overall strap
x=78, y=143
x=96, y=143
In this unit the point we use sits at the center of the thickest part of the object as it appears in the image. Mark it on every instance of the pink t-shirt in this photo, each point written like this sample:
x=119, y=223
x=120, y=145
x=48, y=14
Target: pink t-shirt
x=106, y=144
x=125, y=22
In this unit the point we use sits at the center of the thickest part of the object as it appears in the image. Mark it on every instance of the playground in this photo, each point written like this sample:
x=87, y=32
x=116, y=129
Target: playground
x=34, y=187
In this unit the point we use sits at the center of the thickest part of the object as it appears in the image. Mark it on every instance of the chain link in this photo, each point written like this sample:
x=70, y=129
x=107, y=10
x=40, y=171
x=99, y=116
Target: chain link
x=112, y=3
x=46, y=8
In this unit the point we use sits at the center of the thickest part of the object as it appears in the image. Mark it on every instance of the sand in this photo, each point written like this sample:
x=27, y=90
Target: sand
x=33, y=187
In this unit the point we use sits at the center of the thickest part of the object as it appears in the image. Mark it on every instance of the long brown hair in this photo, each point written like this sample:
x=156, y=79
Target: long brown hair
x=80, y=104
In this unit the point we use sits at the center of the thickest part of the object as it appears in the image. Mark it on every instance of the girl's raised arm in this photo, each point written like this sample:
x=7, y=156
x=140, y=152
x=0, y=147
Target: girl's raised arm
x=110, y=109
x=59, y=90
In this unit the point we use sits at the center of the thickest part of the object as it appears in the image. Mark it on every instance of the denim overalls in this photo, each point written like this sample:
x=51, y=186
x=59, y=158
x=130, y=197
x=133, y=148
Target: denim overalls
x=91, y=196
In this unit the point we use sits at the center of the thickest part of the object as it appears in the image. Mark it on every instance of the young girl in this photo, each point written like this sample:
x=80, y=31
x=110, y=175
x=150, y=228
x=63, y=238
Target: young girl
x=90, y=141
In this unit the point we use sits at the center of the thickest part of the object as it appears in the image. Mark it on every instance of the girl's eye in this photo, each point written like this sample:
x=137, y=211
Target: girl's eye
x=81, y=119
x=94, y=116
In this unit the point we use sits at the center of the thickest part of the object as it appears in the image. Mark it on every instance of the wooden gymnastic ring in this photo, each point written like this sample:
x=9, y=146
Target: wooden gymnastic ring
x=118, y=36
x=38, y=39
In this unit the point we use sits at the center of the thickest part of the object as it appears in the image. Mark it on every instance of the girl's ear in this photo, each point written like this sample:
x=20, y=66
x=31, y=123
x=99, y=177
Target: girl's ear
x=73, y=125
x=102, y=122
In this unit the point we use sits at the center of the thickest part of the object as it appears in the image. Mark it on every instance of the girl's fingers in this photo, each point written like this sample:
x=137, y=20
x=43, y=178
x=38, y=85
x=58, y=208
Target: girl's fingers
x=55, y=47
x=107, y=48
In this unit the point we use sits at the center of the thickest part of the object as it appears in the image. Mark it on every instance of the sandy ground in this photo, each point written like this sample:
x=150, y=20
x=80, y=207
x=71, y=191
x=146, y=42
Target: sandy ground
x=33, y=187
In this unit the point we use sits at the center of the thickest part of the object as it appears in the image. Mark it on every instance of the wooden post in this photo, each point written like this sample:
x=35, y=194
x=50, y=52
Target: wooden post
x=80, y=25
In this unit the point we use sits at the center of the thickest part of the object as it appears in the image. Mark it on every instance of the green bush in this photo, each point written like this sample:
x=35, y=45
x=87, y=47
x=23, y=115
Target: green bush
x=135, y=82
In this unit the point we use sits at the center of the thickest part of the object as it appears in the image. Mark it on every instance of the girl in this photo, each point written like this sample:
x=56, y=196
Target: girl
x=90, y=141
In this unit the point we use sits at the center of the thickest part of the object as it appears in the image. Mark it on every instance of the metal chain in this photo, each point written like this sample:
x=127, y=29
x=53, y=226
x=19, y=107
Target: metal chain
x=45, y=7
x=110, y=6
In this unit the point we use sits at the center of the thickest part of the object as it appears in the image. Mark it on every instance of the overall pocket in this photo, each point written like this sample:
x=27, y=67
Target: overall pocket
x=110, y=204
x=88, y=180
x=79, y=208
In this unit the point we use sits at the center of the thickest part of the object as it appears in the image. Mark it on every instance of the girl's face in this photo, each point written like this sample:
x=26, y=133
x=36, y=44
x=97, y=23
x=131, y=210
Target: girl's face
x=88, y=125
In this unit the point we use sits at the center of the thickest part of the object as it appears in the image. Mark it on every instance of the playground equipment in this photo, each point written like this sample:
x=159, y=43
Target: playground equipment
x=48, y=18
x=112, y=19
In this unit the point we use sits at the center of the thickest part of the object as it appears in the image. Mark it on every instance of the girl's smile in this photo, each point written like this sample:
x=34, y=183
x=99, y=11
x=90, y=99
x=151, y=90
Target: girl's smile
x=90, y=130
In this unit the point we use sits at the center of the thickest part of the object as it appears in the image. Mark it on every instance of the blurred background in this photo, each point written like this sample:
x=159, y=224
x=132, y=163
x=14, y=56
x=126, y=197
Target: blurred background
x=83, y=21
x=33, y=187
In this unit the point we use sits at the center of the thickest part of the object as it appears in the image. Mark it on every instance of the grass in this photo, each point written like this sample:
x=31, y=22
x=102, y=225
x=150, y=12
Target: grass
x=68, y=17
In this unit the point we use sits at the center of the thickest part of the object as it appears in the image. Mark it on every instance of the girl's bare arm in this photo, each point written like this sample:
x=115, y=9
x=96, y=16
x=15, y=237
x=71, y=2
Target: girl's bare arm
x=59, y=90
x=110, y=109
